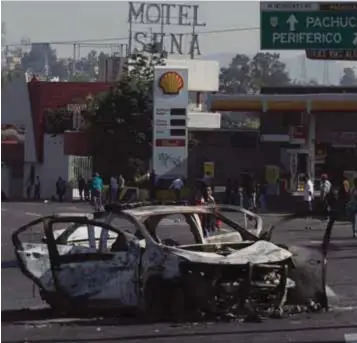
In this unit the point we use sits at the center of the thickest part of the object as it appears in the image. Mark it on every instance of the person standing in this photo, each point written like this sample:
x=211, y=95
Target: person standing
x=113, y=189
x=177, y=185
x=209, y=220
x=81, y=184
x=86, y=190
x=97, y=191
x=228, y=192
x=251, y=192
x=308, y=199
x=60, y=188
x=351, y=210
x=344, y=195
x=325, y=189
x=152, y=185
x=121, y=185
x=37, y=193
x=262, y=191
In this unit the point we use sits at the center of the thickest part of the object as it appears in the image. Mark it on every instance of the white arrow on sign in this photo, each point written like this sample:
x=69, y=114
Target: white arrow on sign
x=292, y=21
x=354, y=42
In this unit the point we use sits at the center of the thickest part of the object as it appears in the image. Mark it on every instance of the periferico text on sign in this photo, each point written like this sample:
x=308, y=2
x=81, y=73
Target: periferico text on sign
x=307, y=29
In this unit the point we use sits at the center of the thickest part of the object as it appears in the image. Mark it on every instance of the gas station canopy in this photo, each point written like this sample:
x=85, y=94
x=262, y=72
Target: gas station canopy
x=278, y=103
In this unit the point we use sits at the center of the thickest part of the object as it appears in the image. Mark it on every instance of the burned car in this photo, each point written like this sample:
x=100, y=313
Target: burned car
x=155, y=260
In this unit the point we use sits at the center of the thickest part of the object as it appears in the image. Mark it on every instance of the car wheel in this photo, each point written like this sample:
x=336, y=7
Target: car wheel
x=3, y=196
x=155, y=299
x=178, y=304
x=57, y=303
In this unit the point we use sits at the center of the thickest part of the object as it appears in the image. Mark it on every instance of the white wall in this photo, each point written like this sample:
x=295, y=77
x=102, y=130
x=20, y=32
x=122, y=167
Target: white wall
x=203, y=120
x=16, y=110
x=203, y=76
x=55, y=164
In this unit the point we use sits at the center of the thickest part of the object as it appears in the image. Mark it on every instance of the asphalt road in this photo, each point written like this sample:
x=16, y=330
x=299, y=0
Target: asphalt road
x=339, y=325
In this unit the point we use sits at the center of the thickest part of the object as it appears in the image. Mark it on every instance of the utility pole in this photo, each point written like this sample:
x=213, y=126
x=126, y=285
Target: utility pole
x=74, y=60
x=162, y=28
x=130, y=34
x=192, y=50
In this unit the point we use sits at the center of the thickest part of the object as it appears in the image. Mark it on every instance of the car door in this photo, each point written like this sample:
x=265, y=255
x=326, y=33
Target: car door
x=32, y=253
x=104, y=274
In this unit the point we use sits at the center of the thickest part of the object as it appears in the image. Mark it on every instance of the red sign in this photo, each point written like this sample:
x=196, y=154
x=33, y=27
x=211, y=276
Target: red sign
x=297, y=132
x=332, y=55
x=170, y=142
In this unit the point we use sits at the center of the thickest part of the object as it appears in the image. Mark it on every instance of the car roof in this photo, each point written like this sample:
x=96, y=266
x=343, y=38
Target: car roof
x=75, y=214
x=146, y=211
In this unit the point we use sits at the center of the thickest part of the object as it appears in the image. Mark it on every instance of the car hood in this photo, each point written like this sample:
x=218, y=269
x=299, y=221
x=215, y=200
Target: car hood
x=257, y=253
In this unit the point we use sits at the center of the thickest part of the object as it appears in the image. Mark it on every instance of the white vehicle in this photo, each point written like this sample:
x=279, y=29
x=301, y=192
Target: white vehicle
x=138, y=259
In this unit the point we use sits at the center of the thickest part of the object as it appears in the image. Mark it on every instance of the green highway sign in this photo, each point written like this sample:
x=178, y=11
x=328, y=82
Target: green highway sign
x=307, y=25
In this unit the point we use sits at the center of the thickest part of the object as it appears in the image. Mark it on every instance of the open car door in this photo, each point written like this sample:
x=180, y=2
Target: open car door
x=99, y=270
x=235, y=224
x=32, y=253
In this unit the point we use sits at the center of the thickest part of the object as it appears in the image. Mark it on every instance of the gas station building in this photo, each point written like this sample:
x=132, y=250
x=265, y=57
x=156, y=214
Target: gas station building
x=302, y=130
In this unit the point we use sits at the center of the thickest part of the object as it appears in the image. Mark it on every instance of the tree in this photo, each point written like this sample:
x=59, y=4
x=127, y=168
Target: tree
x=267, y=70
x=121, y=120
x=235, y=78
x=245, y=75
x=349, y=77
x=40, y=57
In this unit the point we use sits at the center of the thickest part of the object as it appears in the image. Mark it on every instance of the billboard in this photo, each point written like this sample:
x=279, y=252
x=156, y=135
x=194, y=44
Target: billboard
x=170, y=138
x=148, y=14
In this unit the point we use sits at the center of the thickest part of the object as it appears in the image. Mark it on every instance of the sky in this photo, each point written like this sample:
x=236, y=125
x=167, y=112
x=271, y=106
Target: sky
x=51, y=21
x=67, y=21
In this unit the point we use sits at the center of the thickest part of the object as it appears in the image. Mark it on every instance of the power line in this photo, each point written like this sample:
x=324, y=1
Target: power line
x=116, y=39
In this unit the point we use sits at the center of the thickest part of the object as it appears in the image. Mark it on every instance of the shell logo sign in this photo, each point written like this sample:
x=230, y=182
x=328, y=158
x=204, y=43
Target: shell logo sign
x=171, y=83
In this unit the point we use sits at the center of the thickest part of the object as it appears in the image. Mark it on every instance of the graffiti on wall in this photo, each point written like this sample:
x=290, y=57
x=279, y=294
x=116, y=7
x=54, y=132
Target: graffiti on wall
x=170, y=161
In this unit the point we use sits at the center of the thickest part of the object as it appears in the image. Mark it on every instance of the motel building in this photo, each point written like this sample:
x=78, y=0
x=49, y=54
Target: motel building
x=30, y=147
x=302, y=129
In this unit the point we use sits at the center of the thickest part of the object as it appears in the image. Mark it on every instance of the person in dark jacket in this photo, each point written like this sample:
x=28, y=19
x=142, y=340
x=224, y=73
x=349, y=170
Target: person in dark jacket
x=251, y=192
x=209, y=221
x=152, y=185
x=86, y=190
x=81, y=184
x=60, y=188
x=228, y=192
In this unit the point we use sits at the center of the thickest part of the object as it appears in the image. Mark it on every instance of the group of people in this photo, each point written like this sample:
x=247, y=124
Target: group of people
x=339, y=200
x=247, y=193
x=93, y=189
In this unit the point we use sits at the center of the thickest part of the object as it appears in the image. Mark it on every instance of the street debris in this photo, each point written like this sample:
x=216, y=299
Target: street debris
x=116, y=261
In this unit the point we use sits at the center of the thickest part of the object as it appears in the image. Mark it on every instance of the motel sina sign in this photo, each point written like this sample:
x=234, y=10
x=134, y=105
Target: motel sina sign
x=308, y=25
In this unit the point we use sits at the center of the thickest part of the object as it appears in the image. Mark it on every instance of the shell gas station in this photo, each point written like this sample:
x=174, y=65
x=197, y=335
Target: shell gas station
x=302, y=136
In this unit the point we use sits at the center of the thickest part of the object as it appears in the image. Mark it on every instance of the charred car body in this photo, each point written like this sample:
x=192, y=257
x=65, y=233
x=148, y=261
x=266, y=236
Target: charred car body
x=121, y=261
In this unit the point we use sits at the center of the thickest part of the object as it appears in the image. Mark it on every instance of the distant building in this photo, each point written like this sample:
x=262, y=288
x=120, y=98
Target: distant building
x=29, y=143
x=110, y=68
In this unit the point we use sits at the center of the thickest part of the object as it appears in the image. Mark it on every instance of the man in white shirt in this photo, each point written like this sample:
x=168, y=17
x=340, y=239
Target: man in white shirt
x=308, y=198
x=176, y=185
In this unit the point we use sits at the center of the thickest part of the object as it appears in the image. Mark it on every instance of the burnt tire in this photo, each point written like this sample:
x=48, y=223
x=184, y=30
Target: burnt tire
x=57, y=304
x=155, y=299
x=178, y=304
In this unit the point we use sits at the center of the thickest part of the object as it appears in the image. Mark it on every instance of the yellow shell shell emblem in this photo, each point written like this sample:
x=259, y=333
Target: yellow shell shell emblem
x=171, y=83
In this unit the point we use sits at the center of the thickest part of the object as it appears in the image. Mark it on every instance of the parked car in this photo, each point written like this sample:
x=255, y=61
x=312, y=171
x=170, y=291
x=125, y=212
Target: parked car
x=155, y=260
